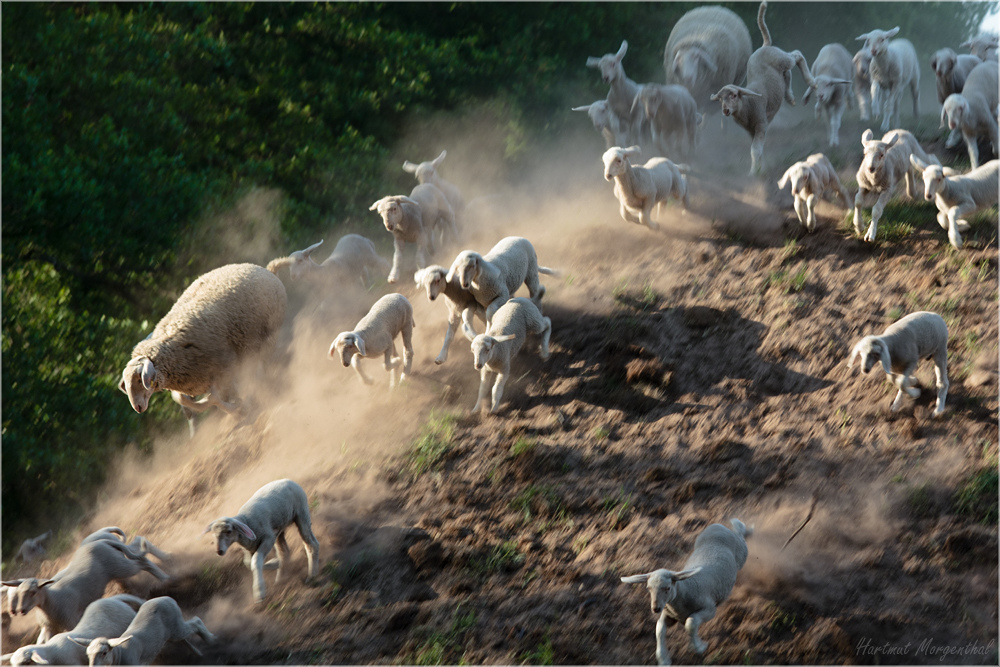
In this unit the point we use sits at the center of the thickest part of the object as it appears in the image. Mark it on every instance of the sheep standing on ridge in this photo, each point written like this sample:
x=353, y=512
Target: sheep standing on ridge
x=493, y=350
x=623, y=91
x=900, y=348
x=692, y=595
x=494, y=277
x=885, y=165
x=462, y=304
x=604, y=121
x=958, y=195
x=375, y=334
x=227, y=316
x=832, y=72
x=639, y=188
x=673, y=117
x=353, y=258
x=707, y=49
x=812, y=178
x=427, y=172
x=769, y=81
x=260, y=526
x=971, y=111
x=894, y=66
x=159, y=620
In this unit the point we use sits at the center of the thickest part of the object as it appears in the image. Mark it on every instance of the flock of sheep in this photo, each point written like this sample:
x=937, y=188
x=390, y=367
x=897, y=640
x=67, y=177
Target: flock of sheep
x=232, y=315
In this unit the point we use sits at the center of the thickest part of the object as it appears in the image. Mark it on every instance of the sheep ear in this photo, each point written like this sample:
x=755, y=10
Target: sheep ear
x=685, y=574
x=883, y=355
x=893, y=32
x=854, y=355
x=308, y=251
x=79, y=641
x=505, y=337
x=244, y=529
x=636, y=579
x=892, y=140
x=632, y=152
x=861, y=38
x=584, y=108
x=121, y=385
x=360, y=344
x=407, y=200
x=409, y=167
x=418, y=276
x=13, y=583
x=118, y=641
x=934, y=62
x=746, y=91
x=39, y=660
x=621, y=50
x=944, y=115
x=867, y=136
x=439, y=159
x=47, y=582
x=593, y=62
x=148, y=373
x=784, y=179
x=917, y=162
x=376, y=204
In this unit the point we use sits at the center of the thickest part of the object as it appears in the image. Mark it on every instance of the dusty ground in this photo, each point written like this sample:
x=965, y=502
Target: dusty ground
x=697, y=374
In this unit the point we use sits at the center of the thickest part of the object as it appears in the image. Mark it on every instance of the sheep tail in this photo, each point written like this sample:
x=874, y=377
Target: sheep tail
x=763, y=26
x=549, y=272
x=276, y=264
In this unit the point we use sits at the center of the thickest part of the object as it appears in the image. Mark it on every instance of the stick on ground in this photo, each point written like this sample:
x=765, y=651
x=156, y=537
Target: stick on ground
x=812, y=506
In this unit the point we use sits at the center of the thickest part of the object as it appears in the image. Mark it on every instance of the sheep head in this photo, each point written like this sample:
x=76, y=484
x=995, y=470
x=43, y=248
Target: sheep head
x=433, y=279
x=933, y=176
x=616, y=160
x=688, y=62
x=955, y=107
x=943, y=62
x=482, y=348
x=426, y=172
x=862, y=61
x=27, y=655
x=467, y=267
x=651, y=97
x=27, y=594
x=661, y=585
x=599, y=114
x=302, y=261
x=391, y=210
x=826, y=88
x=877, y=41
x=875, y=151
x=139, y=382
x=802, y=178
x=981, y=45
x=100, y=651
x=731, y=97
x=871, y=349
x=610, y=64
x=227, y=531
x=346, y=345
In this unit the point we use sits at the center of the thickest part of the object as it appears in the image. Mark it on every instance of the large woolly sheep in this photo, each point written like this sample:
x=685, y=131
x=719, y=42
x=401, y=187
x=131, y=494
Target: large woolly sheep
x=623, y=91
x=227, y=316
x=159, y=620
x=900, y=348
x=894, y=67
x=427, y=172
x=832, y=71
x=353, y=258
x=604, y=121
x=972, y=110
x=958, y=195
x=375, y=334
x=462, y=304
x=260, y=526
x=769, y=81
x=707, y=49
x=885, y=165
x=494, y=277
x=812, y=178
x=60, y=603
x=493, y=350
x=692, y=595
x=639, y=188
x=672, y=115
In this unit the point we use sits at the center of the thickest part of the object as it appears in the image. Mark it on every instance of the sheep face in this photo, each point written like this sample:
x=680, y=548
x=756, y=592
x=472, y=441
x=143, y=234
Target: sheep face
x=227, y=532
x=610, y=65
x=688, y=63
x=25, y=656
x=799, y=176
x=616, y=160
x=346, y=345
x=466, y=266
x=433, y=279
x=875, y=151
x=732, y=97
x=943, y=63
x=872, y=350
x=877, y=41
x=482, y=348
x=392, y=214
x=139, y=382
x=27, y=594
x=862, y=62
x=100, y=651
x=662, y=585
x=302, y=262
x=933, y=181
x=826, y=88
x=954, y=109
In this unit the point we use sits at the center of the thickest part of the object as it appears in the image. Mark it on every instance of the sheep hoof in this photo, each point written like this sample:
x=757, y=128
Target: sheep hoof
x=439, y=360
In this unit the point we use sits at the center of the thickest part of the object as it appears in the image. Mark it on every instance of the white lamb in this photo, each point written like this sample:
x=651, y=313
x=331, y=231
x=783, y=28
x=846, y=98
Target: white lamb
x=672, y=115
x=260, y=526
x=640, y=188
x=900, y=348
x=950, y=72
x=832, y=71
x=427, y=172
x=159, y=620
x=984, y=46
x=493, y=350
x=769, y=81
x=494, y=277
x=885, y=165
x=971, y=111
x=894, y=67
x=604, y=121
x=104, y=617
x=462, y=304
x=32, y=548
x=623, y=91
x=958, y=195
x=353, y=258
x=375, y=334
x=812, y=178
x=60, y=603
x=692, y=595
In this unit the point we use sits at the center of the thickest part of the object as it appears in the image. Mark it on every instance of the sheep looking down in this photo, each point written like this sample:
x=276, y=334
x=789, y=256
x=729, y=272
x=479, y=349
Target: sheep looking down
x=375, y=334
x=353, y=258
x=427, y=172
x=494, y=277
x=894, y=66
x=692, y=595
x=462, y=304
x=707, y=49
x=260, y=526
x=900, y=348
x=623, y=91
x=812, y=178
x=639, y=188
x=673, y=117
x=159, y=620
x=769, y=81
x=958, y=195
x=604, y=121
x=493, y=350
x=950, y=72
x=972, y=110
x=832, y=71
x=227, y=316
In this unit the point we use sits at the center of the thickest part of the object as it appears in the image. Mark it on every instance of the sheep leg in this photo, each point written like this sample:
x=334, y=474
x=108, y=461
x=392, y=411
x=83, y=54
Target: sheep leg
x=842, y=192
x=757, y=150
x=407, y=334
x=268, y=565
x=546, y=335
x=498, y=390
x=811, y=211
x=424, y=246
x=955, y=222
x=904, y=381
x=835, y=117
x=453, y=321
x=915, y=94
x=281, y=548
x=356, y=365
x=646, y=218
x=484, y=389
x=391, y=363
x=789, y=96
x=196, y=626
x=257, y=568
x=891, y=108
x=628, y=216
x=941, y=380
x=304, y=524
x=146, y=547
x=662, y=654
x=972, y=143
x=877, y=209
x=692, y=624
x=801, y=212
x=953, y=138
x=397, y=257
x=467, y=323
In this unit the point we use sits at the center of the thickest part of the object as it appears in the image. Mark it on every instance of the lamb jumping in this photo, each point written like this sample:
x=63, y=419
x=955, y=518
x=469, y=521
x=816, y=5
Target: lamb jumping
x=227, y=316
x=60, y=603
x=900, y=348
x=832, y=72
x=604, y=121
x=104, y=617
x=494, y=277
x=623, y=91
x=812, y=178
x=427, y=172
x=260, y=525
x=972, y=110
x=959, y=195
x=769, y=81
x=375, y=334
x=894, y=67
x=639, y=188
x=159, y=620
x=692, y=595
x=462, y=305
x=886, y=163
x=673, y=117
x=707, y=49
x=493, y=350
x=353, y=258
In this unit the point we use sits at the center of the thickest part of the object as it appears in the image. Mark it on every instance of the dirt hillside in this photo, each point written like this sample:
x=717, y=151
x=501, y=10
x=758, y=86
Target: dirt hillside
x=697, y=374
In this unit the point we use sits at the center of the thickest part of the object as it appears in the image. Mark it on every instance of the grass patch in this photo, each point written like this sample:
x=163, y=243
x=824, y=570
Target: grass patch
x=434, y=442
x=618, y=508
x=523, y=446
x=781, y=620
x=540, y=502
x=504, y=557
x=542, y=655
x=601, y=433
x=440, y=647
x=643, y=300
x=977, y=498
